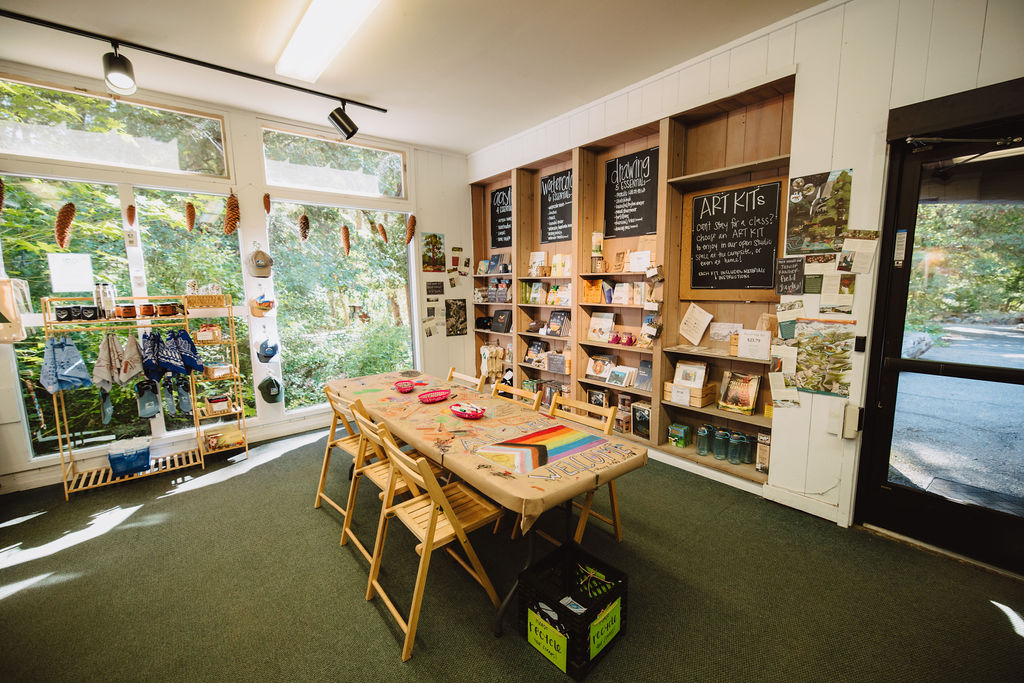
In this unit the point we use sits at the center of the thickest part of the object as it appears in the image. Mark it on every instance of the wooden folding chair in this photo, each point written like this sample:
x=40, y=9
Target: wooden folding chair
x=530, y=399
x=347, y=441
x=436, y=515
x=468, y=380
x=372, y=463
x=604, y=423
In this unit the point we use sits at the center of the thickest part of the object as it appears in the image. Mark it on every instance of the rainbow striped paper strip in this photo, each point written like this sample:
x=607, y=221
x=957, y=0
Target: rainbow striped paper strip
x=526, y=453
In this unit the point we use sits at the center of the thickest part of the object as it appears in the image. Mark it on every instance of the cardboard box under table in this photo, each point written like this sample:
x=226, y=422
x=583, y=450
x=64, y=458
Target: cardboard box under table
x=572, y=608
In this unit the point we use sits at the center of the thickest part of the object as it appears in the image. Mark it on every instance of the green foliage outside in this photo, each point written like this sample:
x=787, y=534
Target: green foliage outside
x=199, y=140
x=968, y=263
x=318, y=153
x=338, y=315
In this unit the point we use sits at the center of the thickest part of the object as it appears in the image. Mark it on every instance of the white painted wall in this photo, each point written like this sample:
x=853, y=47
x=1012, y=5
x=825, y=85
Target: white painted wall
x=853, y=62
x=436, y=192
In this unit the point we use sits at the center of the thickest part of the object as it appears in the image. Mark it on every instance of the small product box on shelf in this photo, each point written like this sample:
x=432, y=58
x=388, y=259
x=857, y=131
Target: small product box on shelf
x=216, y=371
x=572, y=608
x=679, y=435
x=704, y=396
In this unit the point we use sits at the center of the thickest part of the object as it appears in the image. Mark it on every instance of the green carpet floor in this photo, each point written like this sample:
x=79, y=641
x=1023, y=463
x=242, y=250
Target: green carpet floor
x=231, y=575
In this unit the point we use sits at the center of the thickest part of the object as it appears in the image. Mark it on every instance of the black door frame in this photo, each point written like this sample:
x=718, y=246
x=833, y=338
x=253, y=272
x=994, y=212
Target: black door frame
x=977, y=532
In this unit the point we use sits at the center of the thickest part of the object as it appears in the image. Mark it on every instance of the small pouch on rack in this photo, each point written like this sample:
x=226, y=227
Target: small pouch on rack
x=147, y=394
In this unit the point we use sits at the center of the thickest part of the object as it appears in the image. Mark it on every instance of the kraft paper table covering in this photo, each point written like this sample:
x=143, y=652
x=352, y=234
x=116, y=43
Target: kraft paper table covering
x=452, y=442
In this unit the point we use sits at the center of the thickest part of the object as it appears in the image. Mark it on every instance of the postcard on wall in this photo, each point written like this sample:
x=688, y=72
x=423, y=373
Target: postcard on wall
x=823, y=357
x=786, y=312
x=784, y=393
x=783, y=359
x=435, y=288
x=818, y=264
x=857, y=255
x=456, y=256
x=818, y=212
x=837, y=293
x=455, y=317
x=694, y=322
x=433, y=252
x=722, y=331
x=812, y=284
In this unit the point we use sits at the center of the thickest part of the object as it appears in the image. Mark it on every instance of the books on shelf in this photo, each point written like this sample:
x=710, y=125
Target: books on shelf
x=560, y=295
x=500, y=263
x=645, y=375
x=599, y=397
x=558, y=324
x=502, y=320
x=622, y=376
x=536, y=348
x=607, y=292
x=621, y=293
x=557, y=362
x=739, y=392
x=538, y=261
x=592, y=292
x=690, y=373
x=623, y=416
x=600, y=366
x=601, y=324
x=641, y=422
x=638, y=292
x=482, y=266
x=534, y=292
x=561, y=265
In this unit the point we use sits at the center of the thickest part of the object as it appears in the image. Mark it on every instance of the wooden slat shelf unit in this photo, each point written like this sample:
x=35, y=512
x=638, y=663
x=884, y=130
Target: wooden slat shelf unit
x=747, y=472
x=714, y=356
x=741, y=138
x=713, y=411
x=104, y=476
x=535, y=335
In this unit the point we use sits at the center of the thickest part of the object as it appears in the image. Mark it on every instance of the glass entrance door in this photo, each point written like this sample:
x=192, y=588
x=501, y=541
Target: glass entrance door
x=944, y=441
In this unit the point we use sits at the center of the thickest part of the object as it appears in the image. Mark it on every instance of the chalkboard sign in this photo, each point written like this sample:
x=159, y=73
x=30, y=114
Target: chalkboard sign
x=734, y=237
x=501, y=218
x=556, y=207
x=789, y=275
x=631, y=195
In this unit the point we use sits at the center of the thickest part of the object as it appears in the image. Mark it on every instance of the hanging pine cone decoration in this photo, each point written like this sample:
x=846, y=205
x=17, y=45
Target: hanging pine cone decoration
x=382, y=232
x=231, y=215
x=266, y=203
x=410, y=228
x=190, y=216
x=62, y=229
x=304, y=227
x=2, y=192
x=131, y=214
x=345, y=241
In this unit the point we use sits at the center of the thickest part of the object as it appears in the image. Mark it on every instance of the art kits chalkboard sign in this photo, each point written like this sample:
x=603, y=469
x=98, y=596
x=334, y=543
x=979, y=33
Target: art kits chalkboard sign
x=631, y=195
x=731, y=241
x=556, y=207
x=501, y=218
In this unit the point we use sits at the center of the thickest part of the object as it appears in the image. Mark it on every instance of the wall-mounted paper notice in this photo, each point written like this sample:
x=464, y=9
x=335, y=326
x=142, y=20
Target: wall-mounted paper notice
x=783, y=359
x=70, y=272
x=857, y=256
x=782, y=396
x=694, y=323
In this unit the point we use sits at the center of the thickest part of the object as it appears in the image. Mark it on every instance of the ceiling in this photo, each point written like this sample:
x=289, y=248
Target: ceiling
x=456, y=75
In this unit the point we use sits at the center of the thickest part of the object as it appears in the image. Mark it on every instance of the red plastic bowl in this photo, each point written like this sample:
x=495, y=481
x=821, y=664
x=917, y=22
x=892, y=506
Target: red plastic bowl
x=466, y=411
x=404, y=386
x=435, y=395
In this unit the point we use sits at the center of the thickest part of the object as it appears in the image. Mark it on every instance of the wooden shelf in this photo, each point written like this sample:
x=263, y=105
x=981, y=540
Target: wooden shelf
x=534, y=367
x=544, y=278
x=544, y=336
x=103, y=476
x=616, y=347
x=492, y=303
x=564, y=308
x=203, y=378
x=601, y=276
x=614, y=387
x=500, y=334
x=756, y=420
x=748, y=472
x=227, y=413
x=208, y=451
x=740, y=359
x=507, y=276
x=221, y=342
x=729, y=171
x=633, y=306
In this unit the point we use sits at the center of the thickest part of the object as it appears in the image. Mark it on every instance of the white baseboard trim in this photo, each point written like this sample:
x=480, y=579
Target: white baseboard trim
x=48, y=475
x=803, y=503
x=706, y=472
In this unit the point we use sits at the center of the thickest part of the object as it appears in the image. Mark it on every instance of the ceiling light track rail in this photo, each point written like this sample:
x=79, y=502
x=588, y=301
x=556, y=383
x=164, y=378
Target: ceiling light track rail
x=181, y=58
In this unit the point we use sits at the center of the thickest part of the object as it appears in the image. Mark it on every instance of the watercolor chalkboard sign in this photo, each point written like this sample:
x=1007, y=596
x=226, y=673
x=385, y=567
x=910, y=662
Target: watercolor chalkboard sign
x=501, y=218
x=556, y=207
x=730, y=241
x=631, y=195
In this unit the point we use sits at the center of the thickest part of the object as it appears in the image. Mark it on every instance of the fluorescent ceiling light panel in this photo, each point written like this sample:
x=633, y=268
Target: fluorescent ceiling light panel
x=325, y=28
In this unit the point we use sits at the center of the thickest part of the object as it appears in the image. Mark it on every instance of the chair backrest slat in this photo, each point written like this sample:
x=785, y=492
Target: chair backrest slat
x=531, y=398
x=468, y=380
x=604, y=423
x=408, y=465
x=342, y=408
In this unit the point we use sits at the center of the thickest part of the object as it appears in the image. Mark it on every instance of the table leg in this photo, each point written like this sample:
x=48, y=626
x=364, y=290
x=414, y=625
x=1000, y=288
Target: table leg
x=500, y=616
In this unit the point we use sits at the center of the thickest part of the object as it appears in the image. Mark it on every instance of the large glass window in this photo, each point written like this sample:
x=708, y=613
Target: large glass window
x=338, y=315
x=317, y=164
x=27, y=236
x=57, y=124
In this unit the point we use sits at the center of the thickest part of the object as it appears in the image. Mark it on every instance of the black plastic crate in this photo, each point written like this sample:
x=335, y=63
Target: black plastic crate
x=552, y=592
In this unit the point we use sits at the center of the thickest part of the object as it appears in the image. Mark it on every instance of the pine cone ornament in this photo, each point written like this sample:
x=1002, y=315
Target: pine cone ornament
x=131, y=214
x=62, y=229
x=382, y=232
x=190, y=216
x=231, y=215
x=2, y=192
x=304, y=227
x=410, y=228
x=345, y=241
x=266, y=203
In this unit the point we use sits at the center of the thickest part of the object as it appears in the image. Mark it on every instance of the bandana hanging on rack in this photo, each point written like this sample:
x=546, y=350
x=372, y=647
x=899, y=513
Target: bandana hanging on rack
x=107, y=369
x=151, y=343
x=131, y=365
x=63, y=367
x=169, y=357
x=189, y=352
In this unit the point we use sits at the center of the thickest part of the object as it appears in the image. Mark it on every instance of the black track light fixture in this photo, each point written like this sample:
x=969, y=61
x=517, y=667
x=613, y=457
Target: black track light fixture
x=118, y=72
x=343, y=122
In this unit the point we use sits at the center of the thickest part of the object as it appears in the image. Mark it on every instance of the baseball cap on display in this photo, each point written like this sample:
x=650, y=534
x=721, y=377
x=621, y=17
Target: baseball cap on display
x=270, y=389
x=260, y=263
x=266, y=351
